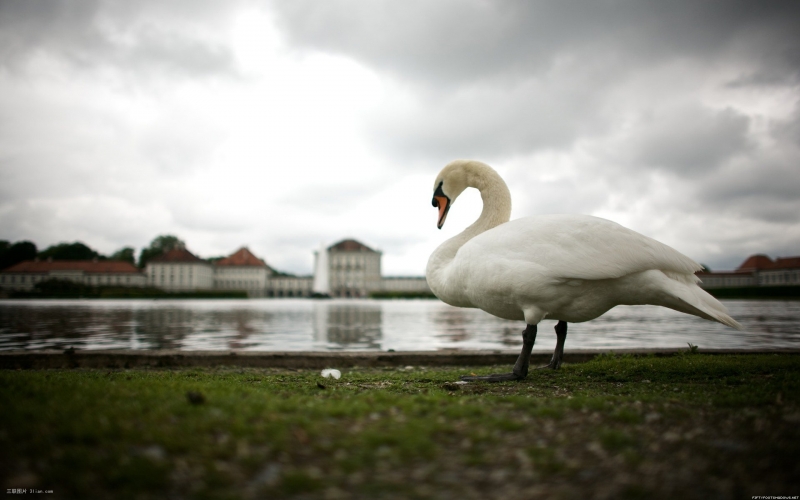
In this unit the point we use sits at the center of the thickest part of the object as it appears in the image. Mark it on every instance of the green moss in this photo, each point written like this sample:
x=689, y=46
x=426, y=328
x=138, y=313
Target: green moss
x=623, y=424
x=615, y=440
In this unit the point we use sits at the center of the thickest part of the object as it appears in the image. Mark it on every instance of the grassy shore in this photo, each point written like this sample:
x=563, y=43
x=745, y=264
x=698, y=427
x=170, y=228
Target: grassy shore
x=688, y=426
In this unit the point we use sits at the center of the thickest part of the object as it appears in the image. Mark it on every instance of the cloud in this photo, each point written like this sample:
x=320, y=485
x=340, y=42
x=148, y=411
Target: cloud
x=489, y=120
x=689, y=141
x=134, y=37
x=284, y=124
x=455, y=41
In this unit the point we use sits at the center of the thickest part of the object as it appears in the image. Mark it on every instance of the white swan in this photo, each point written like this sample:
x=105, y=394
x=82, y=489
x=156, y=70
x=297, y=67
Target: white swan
x=571, y=268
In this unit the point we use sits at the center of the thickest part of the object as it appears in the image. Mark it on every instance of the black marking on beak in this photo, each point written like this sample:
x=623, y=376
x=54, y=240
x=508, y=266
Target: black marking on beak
x=442, y=202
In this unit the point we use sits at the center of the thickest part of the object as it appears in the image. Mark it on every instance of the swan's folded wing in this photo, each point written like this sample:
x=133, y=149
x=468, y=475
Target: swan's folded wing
x=577, y=247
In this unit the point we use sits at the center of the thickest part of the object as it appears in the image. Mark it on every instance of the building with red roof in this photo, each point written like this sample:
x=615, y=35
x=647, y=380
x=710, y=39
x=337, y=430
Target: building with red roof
x=756, y=270
x=756, y=262
x=178, y=269
x=785, y=271
x=242, y=271
x=23, y=276
x=354, y=269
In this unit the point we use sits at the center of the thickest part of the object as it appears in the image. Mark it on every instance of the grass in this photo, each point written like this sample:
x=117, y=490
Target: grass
x=691, y=426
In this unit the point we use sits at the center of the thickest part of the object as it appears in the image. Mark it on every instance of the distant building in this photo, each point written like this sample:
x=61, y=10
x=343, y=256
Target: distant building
x=784, y=271
x=23, y=276
x=242, y=271
x=179, y=270
x=289, y=286
x=756, y=270
x=354, y=269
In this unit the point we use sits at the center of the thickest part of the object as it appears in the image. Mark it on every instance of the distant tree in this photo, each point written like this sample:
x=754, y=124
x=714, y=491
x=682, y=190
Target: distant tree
x=70, y=251
x=13, y=254
x=126, y=254
x=158, y=246
x=705, y=269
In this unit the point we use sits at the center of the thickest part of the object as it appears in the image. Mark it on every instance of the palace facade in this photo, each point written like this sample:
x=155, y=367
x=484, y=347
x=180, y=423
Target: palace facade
x=354, y=270
x=23, y=276
x=756, y=270
x=179, y=270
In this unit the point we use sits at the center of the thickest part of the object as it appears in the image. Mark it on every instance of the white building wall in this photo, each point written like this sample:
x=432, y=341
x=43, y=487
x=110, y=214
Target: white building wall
x=21, y=281
x=248, y=278
x=354, y=274
x=772, y=277
x=779, y=277
x=723, y=280
x=175, y=276
x=27, y=281
x=289, y=286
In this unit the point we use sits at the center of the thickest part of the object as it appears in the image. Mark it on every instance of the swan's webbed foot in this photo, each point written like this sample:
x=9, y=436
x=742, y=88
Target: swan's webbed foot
x=494, y=377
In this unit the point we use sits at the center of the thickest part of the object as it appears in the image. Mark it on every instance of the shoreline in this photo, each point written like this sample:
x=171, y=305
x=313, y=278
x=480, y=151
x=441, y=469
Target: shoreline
x=125, y=359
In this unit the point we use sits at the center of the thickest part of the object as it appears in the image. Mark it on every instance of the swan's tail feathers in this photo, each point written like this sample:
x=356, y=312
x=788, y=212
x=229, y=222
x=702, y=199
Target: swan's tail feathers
x=697, y=301
x=724, y=317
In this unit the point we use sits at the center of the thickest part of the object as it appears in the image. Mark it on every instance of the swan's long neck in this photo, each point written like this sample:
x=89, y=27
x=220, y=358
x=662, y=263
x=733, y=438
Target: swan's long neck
x=496, y=211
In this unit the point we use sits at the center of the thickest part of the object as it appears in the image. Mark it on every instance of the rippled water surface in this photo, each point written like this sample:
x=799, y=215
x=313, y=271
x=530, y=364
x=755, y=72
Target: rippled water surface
x=332, y=325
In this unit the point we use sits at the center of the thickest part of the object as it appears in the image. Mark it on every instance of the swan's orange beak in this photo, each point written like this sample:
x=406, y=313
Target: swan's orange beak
x=444, y=205
x=442, y=202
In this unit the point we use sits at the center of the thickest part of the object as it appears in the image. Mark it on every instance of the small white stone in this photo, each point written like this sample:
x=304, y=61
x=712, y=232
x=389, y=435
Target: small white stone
x=331, y=372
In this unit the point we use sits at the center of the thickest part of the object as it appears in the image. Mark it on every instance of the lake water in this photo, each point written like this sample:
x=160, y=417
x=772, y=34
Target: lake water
x=371, y=325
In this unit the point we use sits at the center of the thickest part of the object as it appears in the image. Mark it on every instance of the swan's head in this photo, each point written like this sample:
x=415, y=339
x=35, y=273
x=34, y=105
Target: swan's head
x=451, y=182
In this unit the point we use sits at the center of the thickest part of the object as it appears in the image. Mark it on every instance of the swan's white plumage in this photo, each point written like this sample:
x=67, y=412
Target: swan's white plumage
x=578, y=247
x=568, y=267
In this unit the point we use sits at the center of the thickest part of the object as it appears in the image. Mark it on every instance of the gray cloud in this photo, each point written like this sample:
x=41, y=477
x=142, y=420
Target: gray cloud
x=129, y=36
x=761, y=189
x=508, y=78
x=621, y=83
x=455, y=41
x=690, y=141
x=485, y=120
x=671, y=117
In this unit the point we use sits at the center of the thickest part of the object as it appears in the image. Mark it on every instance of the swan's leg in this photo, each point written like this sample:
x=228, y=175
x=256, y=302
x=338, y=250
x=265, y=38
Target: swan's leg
x=520, y=370
x=558, y=354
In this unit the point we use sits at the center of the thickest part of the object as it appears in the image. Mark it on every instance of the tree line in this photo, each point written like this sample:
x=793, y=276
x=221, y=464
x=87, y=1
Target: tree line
x=13, y=253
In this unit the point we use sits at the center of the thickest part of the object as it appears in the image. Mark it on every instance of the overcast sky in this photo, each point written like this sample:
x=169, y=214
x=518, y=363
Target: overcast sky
x=284, y=125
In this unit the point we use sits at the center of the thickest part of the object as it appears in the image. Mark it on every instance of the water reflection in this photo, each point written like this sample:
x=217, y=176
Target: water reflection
x=351, y=325
x=296, y=324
